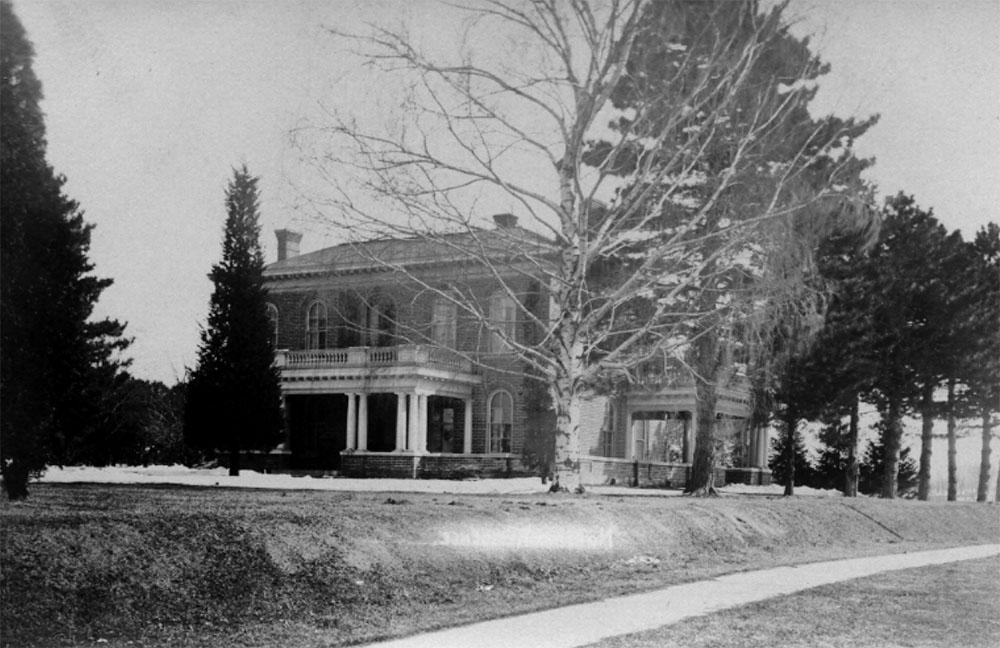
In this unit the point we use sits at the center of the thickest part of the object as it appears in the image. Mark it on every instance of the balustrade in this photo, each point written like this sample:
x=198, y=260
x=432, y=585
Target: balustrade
x=361, y=357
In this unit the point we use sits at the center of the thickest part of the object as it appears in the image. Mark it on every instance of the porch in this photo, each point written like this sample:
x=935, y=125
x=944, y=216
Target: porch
x=402, y=401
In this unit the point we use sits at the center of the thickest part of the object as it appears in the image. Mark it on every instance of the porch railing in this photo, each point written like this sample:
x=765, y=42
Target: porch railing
x=373, y=357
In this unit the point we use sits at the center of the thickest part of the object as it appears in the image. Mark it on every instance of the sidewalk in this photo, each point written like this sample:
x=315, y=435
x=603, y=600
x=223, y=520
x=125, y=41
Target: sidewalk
x=585, y=623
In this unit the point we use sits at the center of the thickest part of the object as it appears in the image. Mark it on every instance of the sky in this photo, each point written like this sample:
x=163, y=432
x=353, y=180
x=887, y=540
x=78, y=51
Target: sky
x=150, y=105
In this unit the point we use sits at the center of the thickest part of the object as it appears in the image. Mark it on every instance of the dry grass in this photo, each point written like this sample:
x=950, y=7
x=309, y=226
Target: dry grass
x=945, y=606
x=184, y=566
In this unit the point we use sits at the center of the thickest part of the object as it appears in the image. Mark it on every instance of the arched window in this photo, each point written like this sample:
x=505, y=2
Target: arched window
x=272, y=322
x=503, y=316
x=316, y=326
x=500, y=418
x=443, y=322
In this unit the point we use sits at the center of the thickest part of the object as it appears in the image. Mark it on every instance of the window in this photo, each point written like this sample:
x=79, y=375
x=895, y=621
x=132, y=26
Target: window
x=503, y=316
x=272, y=322
x=500, y=417
x=443, y=323
x=381, y=322
x=608, y=431
x=347, y=320
x=316, y=326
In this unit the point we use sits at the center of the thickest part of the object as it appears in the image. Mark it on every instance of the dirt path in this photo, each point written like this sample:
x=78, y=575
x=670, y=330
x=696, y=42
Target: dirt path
x=582, y=624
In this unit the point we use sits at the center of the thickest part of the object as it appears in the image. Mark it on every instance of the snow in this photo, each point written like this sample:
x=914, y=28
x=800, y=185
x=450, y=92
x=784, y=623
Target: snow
x=212, y=477
x=184, y=476
x=777, y=489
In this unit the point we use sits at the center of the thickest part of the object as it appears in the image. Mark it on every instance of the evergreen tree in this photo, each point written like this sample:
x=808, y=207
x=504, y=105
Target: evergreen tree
x=873, y=471
x=233, y=399
x=836, y=454
x=779, y=461
x=982, y=351
x=887, y=337
x=54, y=358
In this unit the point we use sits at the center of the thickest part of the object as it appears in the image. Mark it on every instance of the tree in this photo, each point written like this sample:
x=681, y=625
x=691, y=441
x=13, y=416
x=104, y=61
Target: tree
x=801, y=472
x=982, y=366
x=888, y=333
x=53, y=353
x=233, y=397
x=653, y=223
x=873, y=472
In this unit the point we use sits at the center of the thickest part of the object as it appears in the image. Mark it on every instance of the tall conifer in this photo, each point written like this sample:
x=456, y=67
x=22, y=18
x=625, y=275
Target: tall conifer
x=234, y=395
x=54, y=356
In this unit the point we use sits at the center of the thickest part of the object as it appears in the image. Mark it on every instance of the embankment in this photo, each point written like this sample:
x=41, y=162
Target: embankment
x=176, y=566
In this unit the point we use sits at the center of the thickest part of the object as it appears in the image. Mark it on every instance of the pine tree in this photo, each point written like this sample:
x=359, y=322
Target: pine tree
x=779, y=463
x=233, y=400
x=982, y=351
x=54, y=359
x=873, y=470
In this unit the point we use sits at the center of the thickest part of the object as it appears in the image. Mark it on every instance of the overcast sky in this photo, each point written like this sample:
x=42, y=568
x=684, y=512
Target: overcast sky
x=149, y=104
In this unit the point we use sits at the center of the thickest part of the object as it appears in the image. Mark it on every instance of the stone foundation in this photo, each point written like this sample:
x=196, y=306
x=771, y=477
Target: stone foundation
x=432, y=466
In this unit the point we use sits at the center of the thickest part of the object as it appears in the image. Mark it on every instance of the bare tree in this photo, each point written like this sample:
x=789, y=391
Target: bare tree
x=652, y=149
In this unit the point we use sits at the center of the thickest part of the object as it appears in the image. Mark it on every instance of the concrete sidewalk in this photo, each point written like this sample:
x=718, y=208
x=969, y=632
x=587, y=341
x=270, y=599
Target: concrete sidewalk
x=585, y=623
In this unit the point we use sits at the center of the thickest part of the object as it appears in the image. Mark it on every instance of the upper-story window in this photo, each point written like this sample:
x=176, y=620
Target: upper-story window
x=443, y=323
x=503, y=316
x=500, y=415
x=381, y=321
x=348, y=320
x=272, y=322
x=316, y=326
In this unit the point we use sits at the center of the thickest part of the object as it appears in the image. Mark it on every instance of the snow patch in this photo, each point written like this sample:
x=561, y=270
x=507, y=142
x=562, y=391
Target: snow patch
x=210, y=477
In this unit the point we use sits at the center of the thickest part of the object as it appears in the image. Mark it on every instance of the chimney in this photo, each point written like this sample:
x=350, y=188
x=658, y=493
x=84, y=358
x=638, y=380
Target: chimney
x=288, y=243
x=505, y=221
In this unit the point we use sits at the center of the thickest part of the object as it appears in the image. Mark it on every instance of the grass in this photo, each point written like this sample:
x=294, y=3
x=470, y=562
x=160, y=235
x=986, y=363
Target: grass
x=957, y=604
x=186, y=566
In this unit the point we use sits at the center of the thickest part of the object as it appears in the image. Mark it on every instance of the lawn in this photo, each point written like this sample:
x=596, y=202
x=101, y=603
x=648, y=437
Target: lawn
x=166, y=566
x=944, y=606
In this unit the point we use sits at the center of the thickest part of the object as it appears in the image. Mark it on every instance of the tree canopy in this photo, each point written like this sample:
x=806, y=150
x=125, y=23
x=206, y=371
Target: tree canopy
x=54, y=354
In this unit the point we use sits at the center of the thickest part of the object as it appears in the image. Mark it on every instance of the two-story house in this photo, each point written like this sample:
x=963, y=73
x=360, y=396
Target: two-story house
x=382, y=375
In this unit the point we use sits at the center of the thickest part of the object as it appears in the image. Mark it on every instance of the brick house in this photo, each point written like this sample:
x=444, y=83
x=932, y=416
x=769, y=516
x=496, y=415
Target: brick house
x=382, y=376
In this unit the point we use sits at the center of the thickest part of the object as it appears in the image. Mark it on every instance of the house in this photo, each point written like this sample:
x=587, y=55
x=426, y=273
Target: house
x=382, y=375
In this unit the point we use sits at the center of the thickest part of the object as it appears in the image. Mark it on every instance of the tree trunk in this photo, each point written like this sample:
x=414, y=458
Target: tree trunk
x=952, y=444
x=996, y=496
x=702, y=481
x=984, y=458
x=851, y=475
x=893, y=441
x=791, y=423
x=15, y=479
x=234, y=461
x=926, y=439
x=566, y=471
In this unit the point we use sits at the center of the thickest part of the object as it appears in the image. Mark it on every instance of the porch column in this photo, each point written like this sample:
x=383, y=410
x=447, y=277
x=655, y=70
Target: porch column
x=286, y=427
x=400, y=422
x=411, y=423
x=421, y=444
x=467, y=430
x=761, y=458
x=362, y=421
x=352, y=422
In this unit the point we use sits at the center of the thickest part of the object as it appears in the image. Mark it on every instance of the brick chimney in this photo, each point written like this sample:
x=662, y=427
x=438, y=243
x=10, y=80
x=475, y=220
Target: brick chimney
x=505, y=221
x=288, y=243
